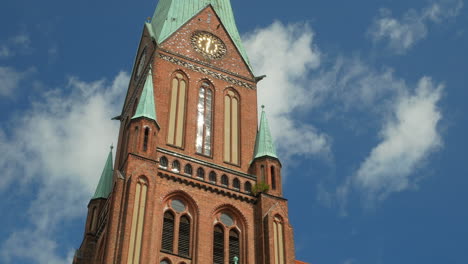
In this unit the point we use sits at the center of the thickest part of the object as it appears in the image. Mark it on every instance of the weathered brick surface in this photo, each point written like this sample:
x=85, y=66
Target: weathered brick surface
x=205, y=200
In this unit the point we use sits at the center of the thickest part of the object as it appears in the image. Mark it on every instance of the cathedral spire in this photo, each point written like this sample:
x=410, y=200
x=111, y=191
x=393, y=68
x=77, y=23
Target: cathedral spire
x=146, y=107
x=104, y=187
x=170, y=15
x=264, y=145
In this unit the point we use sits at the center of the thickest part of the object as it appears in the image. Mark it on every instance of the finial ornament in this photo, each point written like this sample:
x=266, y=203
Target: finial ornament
x=263, y=106
x=235, y=259
x=112, y=146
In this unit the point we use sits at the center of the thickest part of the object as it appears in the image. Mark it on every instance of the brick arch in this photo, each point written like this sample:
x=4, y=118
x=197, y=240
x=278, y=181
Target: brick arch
x=184, y=196
x=244, y=224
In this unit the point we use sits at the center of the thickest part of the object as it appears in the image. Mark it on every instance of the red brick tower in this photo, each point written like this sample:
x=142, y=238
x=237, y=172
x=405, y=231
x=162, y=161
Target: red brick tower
x=194, y=181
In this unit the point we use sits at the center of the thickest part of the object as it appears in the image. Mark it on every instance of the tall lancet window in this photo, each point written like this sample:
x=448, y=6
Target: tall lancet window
x=278, y=240
x=231, y=127
x=175, y=135
x=204, y=119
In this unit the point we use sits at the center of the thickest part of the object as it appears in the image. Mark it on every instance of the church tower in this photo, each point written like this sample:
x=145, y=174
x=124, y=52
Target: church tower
x=196, y=180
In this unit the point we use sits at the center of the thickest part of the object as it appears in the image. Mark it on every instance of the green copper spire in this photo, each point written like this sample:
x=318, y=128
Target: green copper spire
x=104, y=187
x=170, y=15
x=146, y=106
x=264, y=145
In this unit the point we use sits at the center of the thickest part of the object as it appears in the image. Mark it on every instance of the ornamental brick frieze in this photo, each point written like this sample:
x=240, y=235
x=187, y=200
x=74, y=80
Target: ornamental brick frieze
x=206, y=71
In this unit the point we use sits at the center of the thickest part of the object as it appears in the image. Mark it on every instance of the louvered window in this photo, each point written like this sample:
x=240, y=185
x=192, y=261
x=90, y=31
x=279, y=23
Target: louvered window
x=234, y=248
x=168, y=232
x=184, y=236
x=218, y=245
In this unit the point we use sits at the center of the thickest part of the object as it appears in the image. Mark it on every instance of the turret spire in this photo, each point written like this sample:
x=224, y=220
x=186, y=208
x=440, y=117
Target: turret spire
x=264, y=145
x=104, y=187
x=146, y=107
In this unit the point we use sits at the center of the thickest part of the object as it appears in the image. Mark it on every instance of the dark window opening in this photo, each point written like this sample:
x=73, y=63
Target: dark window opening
x=145, y=141
x=236, y=184
x=234, y=247
x=184, y=236
x=212, y=177
x=176, y=166
x=273, y=178
x=168, y=232
x=201, y=173
x=248, y=187
x=218, y=245
x=163, y=162
x=188, y=169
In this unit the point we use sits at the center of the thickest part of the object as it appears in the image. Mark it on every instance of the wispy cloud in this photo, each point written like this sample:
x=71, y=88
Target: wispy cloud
x=49, y=144
x=10, y=78
x=408, y=136
x=17, y=44
x=285, y=89
x=401, y=34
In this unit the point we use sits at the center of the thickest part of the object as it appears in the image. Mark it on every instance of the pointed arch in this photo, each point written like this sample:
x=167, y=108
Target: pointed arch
x=203, y=143
x=231, y=126
x=138, y=219
x=176, y=126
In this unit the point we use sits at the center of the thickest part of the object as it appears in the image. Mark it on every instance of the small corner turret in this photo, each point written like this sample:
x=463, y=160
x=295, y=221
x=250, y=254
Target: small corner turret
x=265, y=164
x=144, y=125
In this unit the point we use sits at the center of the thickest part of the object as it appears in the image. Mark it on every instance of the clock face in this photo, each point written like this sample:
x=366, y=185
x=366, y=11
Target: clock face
x=208, y=45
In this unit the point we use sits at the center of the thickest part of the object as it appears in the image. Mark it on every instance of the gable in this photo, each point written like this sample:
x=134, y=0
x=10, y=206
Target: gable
x=207, y=21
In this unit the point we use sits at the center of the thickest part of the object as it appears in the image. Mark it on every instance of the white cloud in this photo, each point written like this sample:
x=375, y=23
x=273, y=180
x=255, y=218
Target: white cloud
x=60, y=144
x=10, y=79
x=286, y=54
x=401, y=34
x=408, y=137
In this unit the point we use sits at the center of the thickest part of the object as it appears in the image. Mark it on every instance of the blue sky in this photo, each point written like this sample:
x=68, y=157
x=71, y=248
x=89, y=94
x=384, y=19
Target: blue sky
x=366, y=101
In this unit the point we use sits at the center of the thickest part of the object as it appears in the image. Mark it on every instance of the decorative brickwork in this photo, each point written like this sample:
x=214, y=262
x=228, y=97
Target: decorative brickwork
x=176, y=200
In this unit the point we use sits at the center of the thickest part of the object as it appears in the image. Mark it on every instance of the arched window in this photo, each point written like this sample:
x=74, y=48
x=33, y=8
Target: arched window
x=231, y=127
x=176, y=166
x=165, y=261
x=175, y=133
x=218, y=245
x=168, y=232
x=273, y=178
x=188, y=169
x=184, y=236
x=224, y=180
x=138, y=221
x=262, y=173
x=204, y=119
x=201, y=173
x=236, y=184
x=248, y=187
x=135, y=139
x=227, y=236
x=234, y=247
x=212, y=177
x=163, y=162
x=278, y=240
x=145, y=140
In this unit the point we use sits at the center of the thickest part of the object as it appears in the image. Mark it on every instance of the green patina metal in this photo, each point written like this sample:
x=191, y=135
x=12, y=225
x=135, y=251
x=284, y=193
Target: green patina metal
x=170, y=15
x=264, y=145
x=146, y=107
x=104, y=187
